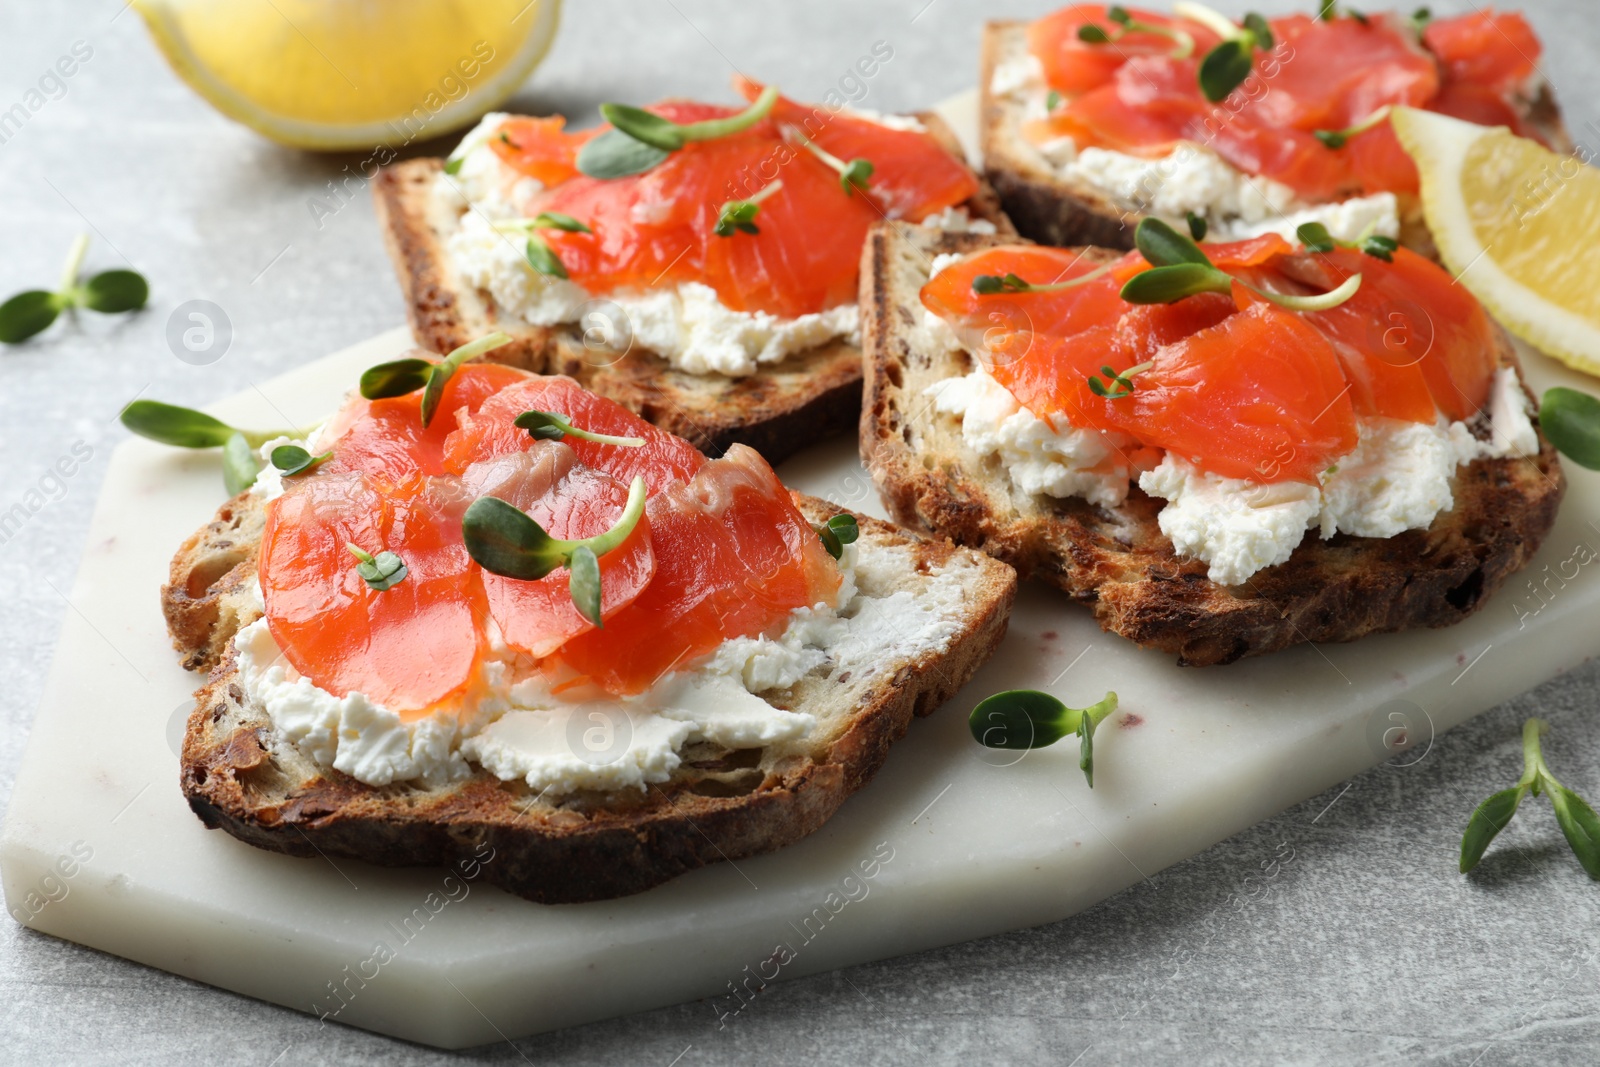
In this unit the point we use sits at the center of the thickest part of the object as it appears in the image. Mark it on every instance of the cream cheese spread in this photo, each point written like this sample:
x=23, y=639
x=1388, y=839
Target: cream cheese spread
x=1192, y=178
x=510, y=724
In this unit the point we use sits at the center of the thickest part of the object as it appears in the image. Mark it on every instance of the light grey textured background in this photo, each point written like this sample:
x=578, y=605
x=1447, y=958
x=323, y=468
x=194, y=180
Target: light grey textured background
x=1365, y=947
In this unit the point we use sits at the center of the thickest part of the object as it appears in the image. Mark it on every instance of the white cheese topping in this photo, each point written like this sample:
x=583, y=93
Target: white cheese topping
x=1191, y=178
x=269, y=480
x=686, y=325
x=513, y=726
x=957, y=220
x=1039, y=456
x=889, y=122
x=1399, y=476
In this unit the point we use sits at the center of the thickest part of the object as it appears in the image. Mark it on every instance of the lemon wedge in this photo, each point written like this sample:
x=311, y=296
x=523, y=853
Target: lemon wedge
x=1519, y=226
x=350, y=74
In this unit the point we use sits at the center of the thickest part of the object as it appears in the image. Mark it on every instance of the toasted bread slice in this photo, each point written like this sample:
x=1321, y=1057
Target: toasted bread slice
x=1053, y=210
x=721, y=804
x=1118, y=562
x=779, y=409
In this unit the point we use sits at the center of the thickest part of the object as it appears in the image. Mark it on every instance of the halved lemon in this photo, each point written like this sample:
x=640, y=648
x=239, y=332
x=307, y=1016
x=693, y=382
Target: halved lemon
x=350, y=74
x=1518, y=224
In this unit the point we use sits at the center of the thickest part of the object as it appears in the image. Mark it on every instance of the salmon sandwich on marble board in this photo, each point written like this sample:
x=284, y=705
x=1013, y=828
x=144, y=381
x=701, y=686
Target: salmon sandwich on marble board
x=698, y=264
x=1095, y=116
x=483, y=606
x=1222, y=450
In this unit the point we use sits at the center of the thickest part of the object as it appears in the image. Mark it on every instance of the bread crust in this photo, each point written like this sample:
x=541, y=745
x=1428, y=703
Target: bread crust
x=719, y=806
x=1119, y=564
x=777, y=410
x=1048, y=209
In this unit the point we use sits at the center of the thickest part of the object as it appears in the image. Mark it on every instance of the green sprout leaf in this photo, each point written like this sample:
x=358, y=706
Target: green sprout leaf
x=992, y=284
x=855, y=176
x=1092, y=34
x=32, y=312
x=116, y=290
x=542, y=258
x=381, y=572
x=1225, y=68
x=555, y=220
x=1183, y=43
x=396, y=378
x=27, y=314
x=187, y=428
x=1052, y=100
x=404, y=376
x=1166, y=285
x=1578, y=822
x=1315, y=237
x=1028, y=719
x=503, y=540
x=837, y=532
x=1117, y=385
x=292, y=459
x=738, y=216
x=239, y=464
x=1487, y=820
x=583, y=583
x=1571, y=420
x=1163, y=246
x=1197, y=226
x=553, y=426
x=614, y=154
x=452, y=166
x=1257, y=25
x=441, y=372
x=640, y=140
x=1379, y=247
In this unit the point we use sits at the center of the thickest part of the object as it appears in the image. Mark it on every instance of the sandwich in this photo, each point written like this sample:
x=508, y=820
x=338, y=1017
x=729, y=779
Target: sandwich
x=1095, y=117
x=485, y=608
x=1220, y=450
x=709, y=286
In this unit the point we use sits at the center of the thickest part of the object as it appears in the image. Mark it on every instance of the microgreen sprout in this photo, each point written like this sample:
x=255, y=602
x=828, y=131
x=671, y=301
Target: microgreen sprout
x=402, y=376
x=853, y=175
x=1338, y=138
x=1420, y=19
x=381, y=572
x=1052, y=100
x=1578, y=822
x=1028, y=719
x=1328, y=10
x=503, y=540
x=640, y=140
x=1197, y=226
x=992, y=284
x=292, y=459
x=1120, y=385
x=110, y=291
x=1089, y=33
x=552, y=426
x=1180, y=269
x=1571, y=421
x=837, y=532
x=540, y=256
x=181, y=427
x=1316, y=238
x=739, y=216
x=1226, y=66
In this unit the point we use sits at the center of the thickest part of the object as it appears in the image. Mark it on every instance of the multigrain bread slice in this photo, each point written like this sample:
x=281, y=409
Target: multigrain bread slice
x=1117, y=561
x=721, y=804
x=777, y=410
x=1053, y=210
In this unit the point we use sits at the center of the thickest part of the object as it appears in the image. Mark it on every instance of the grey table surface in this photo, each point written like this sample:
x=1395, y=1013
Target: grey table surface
x=1367, y=948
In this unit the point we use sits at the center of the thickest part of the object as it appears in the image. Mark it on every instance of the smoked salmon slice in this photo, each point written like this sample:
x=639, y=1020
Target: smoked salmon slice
x=1234, y=383
x=408, y=647
x=1137, y=96
x=387, y=436
x=657, y=229
x=571, y=501
x=490, y=430
x=720, y=552
x=734, y=558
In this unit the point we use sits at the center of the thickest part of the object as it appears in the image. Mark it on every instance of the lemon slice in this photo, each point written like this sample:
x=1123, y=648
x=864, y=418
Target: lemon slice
x=1518, y=224
x=345, y=74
